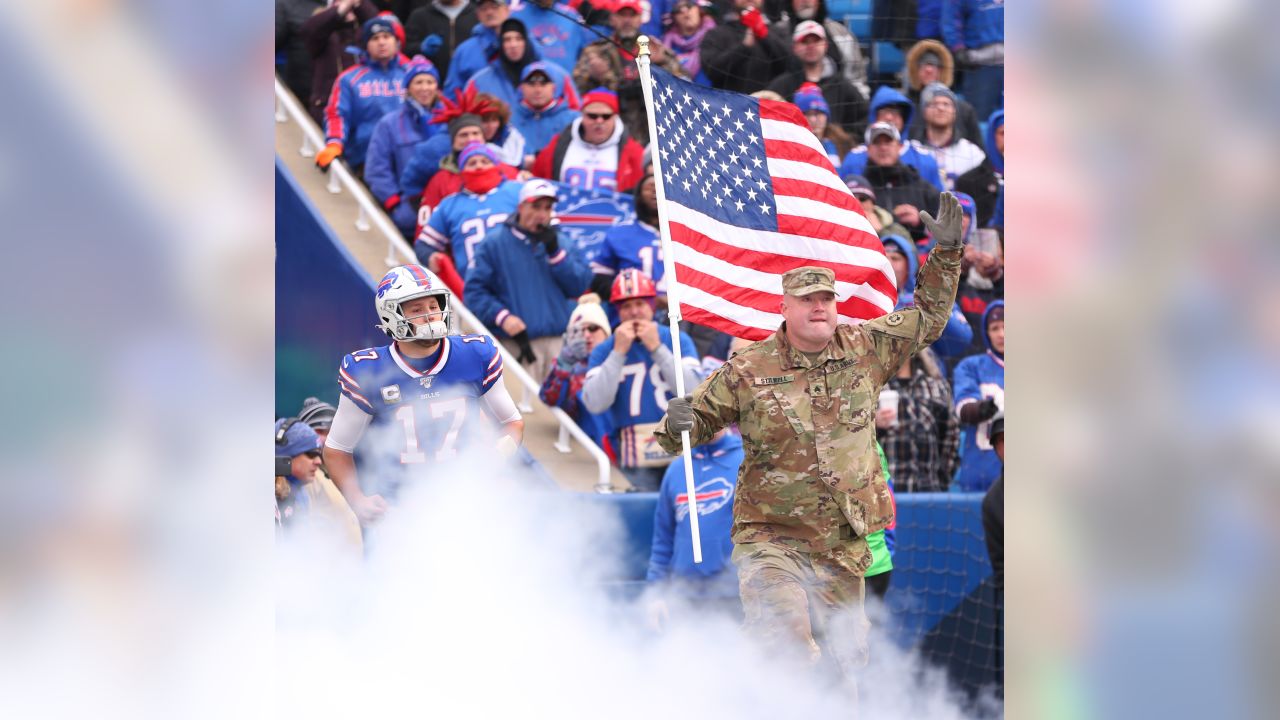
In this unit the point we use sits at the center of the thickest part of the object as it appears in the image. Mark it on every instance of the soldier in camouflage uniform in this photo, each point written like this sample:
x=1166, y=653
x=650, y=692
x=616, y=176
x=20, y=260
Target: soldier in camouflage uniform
x=810, y=488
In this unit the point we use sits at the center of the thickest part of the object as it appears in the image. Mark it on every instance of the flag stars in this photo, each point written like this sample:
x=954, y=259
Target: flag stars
x=739, y=204
x=755, y=161
x=764, y=208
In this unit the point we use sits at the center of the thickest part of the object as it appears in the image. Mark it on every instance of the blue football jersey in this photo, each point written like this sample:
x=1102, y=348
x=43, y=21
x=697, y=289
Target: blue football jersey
x=642, y=393
x=631, y=245
x=425, y=411
x=464, y=218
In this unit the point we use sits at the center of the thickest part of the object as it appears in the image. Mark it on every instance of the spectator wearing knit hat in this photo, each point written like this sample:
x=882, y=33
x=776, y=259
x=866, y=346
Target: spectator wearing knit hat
x=364, y=93
x=929, y=61
x=328, y=508
x=435, y=162
x=978, y=384
x=326, y=34
x=833, y=137
x=955, y=154
x=809, y=43
x=463, y=218
x=562, y=388
x=396, y=137
x=595, y=150
x=298, y=442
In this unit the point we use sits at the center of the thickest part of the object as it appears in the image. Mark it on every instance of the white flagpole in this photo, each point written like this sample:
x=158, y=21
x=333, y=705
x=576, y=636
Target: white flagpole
x=673, y=288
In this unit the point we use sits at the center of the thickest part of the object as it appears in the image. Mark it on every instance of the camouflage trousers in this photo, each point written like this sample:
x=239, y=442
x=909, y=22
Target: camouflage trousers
x=810, y=603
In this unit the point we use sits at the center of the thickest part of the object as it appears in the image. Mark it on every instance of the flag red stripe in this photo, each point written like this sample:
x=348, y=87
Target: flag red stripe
x=787, y=150
x=821, y=193
x=763, y=300
x=778, y=264
x=703, y=317
x=784, y=111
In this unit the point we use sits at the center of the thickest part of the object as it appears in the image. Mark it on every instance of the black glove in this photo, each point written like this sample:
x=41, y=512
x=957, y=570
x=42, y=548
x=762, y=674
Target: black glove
x=526, y=356
x=974, y=413
x=680, y=414
x=550, y=238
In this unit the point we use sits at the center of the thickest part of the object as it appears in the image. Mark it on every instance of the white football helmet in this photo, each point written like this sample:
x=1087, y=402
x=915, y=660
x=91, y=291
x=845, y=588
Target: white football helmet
x=409, y=282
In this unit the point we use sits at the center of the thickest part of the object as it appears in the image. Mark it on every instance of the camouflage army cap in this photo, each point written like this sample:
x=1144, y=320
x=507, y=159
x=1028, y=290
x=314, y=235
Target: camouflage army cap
x=808, y=280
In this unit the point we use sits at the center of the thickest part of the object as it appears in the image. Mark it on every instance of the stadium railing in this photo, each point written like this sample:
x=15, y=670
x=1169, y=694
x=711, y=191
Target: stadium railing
x=399, y=251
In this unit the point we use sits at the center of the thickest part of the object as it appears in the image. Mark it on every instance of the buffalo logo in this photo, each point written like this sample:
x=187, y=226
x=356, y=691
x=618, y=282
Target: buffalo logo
x=387, y=281
x=711, y=495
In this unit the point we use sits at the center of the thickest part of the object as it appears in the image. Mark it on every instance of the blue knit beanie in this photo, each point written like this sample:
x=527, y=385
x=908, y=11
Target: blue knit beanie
x=420, y=66
x=299, y=439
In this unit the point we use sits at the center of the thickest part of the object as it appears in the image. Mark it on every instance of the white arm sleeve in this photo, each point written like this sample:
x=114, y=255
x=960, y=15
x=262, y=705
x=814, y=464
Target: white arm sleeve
x=500, y=405
x=349, y=424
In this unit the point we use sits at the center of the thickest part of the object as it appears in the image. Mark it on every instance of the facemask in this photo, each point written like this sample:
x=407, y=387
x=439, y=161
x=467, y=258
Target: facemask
x=481, y=180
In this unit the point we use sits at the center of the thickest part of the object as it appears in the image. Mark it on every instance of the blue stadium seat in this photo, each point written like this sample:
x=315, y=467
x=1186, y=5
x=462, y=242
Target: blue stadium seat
x=860, y=26
x=855, y=14
x=886, y=58
x=840, y=8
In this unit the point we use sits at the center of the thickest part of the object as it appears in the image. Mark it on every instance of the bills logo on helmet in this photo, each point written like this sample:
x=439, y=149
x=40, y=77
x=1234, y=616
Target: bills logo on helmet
x=416, y=273
x=711, y=496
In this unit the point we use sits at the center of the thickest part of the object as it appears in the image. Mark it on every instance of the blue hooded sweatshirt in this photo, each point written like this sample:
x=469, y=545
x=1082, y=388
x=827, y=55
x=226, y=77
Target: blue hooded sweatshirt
x=557, y=34
x=471, y=56
x=971, y=24
x=957, y=335
x=997, y=163
x=978, y=468
x=394, y=140
x=914, y=154
x=540, y=126
x=715, y=477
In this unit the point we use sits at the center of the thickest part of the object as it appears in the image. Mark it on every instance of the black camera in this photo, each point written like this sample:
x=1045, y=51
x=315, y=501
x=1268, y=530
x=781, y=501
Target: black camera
x=283, y=465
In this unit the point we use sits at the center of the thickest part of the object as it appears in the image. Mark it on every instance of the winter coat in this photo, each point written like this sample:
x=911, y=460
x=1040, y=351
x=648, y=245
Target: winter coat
x=966, y=117
x=848, y=106
x=557, y=33
x=394, y=140
x=540, y=126
x=360, y=97
x=898, y=184
x=549, y=163
x=958, y=334
x=922, y=448
x=291, y=15
x=430, y=20
x=985, y=183
x=511, y=273
x=327, y=37
x=471, y=56
x=912, y=153
x=842, y=46
x=731, y=65
x=971, y=24
x=978, y=377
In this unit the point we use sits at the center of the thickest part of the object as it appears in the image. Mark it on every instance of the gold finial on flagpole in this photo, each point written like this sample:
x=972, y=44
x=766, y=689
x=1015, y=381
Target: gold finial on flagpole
x=643, y=42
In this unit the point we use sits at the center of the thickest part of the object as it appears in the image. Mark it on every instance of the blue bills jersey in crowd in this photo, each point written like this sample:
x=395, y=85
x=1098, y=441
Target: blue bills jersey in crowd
x=642, y=396
x=425, y=411
x=464, y=218
x=632, y=245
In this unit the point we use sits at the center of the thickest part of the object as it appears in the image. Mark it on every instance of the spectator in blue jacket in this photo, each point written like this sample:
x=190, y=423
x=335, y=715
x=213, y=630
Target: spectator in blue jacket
x=474, y=53
x=979, y=396
x=543, y=110
x=396, y=137
x=364, y=93
x=556, y=31
x=501, y=77
x=713, y=583
x=889, y=105
x=524, y=284
x=957, y=335
x=974, y=31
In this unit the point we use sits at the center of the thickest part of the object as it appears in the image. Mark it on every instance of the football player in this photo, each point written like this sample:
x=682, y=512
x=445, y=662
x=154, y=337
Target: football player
x=417, y=403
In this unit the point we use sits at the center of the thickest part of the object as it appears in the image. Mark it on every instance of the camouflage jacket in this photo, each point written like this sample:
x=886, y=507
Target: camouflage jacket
x=811, y=476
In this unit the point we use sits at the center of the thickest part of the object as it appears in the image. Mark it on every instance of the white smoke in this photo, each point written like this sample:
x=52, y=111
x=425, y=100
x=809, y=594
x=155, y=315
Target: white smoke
x=484, y=596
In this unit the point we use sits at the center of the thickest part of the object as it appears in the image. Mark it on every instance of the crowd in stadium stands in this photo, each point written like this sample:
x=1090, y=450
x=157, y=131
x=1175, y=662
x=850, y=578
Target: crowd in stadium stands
x=453, y=116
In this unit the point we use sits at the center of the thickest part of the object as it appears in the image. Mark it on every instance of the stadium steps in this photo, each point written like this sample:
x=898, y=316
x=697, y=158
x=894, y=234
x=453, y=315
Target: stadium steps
x=575, y=470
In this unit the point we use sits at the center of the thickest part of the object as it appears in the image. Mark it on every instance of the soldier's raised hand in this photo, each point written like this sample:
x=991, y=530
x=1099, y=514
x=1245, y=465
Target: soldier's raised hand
x=680, y=414
x=948, y=228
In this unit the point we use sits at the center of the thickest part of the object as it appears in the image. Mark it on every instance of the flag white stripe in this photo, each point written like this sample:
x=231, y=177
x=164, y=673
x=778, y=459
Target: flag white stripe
x=790, y=132
x=758, y=281
x=808, y=207
x=798, y=246
x=796, y=170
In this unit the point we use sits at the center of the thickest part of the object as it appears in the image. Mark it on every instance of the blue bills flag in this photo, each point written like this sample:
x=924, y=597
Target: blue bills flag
x=586, y=215
x=750, y=194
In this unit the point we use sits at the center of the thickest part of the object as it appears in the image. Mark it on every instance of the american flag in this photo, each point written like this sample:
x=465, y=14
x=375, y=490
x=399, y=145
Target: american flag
x=750, y=194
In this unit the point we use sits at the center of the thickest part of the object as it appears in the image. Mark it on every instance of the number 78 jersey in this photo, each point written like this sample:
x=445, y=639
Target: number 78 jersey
x=464, y=218
x=423, y=412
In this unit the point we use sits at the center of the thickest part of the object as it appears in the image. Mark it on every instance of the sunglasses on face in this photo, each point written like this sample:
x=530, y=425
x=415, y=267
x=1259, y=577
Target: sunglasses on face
x=313, y=454
x=537, y=80
x=592, y=328
x=598, y=116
